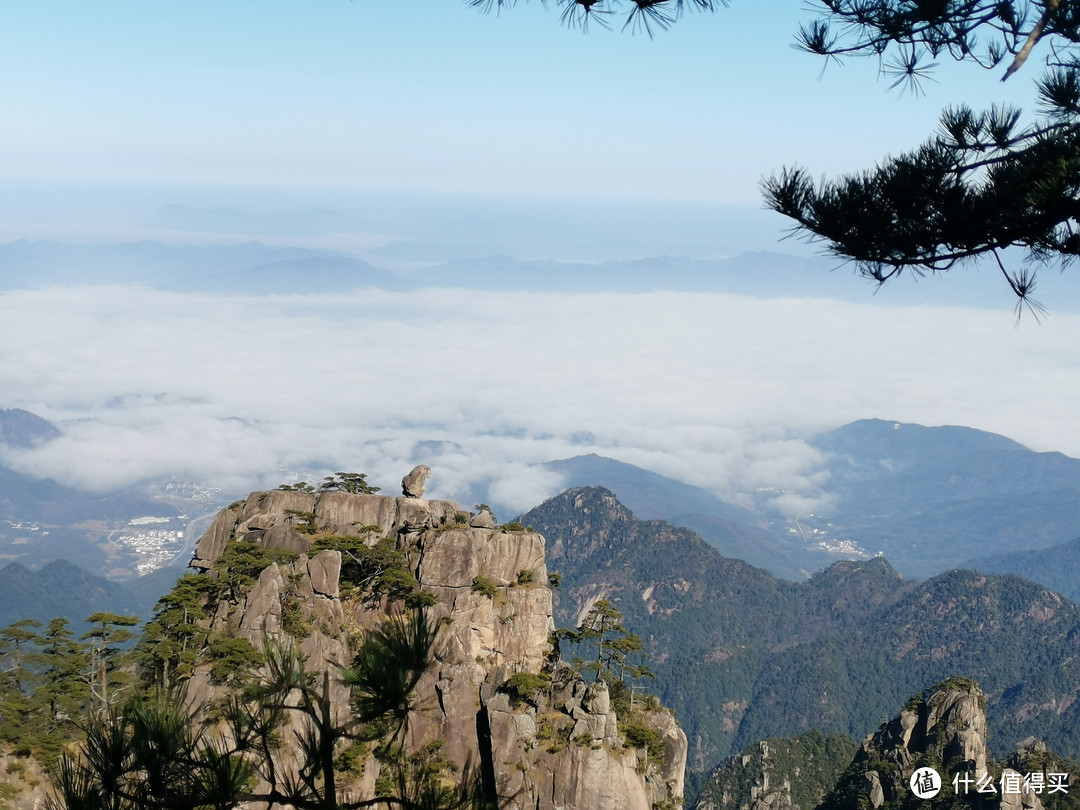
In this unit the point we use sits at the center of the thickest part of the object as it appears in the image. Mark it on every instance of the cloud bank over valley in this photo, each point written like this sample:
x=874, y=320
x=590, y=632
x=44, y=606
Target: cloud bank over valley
x=716, y=390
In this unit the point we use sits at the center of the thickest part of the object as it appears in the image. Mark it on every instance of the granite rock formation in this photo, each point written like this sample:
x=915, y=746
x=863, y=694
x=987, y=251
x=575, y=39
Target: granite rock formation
x=414, y=483
x=559, y=748
x=943, y=729
x=792, y=773
x=945, y=732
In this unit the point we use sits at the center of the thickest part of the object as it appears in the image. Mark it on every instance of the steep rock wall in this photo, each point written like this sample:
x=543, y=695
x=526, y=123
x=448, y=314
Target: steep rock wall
x=562, y=749
x=946, y=732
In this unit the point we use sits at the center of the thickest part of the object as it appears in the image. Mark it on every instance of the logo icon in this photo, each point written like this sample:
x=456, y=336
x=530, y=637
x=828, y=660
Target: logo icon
x=925, y=783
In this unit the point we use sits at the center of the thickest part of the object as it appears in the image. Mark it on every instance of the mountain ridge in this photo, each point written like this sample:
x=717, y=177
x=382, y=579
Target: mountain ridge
x=61, y=589
x=744, y=655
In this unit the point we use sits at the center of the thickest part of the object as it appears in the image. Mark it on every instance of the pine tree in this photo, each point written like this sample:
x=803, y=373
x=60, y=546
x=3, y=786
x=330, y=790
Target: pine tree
x=351, y=482
x=18, y=642
x=63, y=691
x=153, y=752
x=984, y=183
x=106, y=642
x=618, y=653
x=19, y=664
x=639, y=16
x=170, y=644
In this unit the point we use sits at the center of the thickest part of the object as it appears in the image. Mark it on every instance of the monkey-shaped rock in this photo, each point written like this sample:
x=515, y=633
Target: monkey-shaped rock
x=414, y=484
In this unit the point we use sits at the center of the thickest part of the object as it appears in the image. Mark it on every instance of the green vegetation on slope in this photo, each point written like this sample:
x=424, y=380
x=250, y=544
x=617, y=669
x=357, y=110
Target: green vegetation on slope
x=742, y=655
x=804, y=768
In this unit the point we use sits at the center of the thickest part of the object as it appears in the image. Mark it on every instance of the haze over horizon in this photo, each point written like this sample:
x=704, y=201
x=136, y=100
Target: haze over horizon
x=451, y=136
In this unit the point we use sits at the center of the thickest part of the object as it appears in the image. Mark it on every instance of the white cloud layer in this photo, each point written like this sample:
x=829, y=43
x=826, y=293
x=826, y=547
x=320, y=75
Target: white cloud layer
x=714, y=390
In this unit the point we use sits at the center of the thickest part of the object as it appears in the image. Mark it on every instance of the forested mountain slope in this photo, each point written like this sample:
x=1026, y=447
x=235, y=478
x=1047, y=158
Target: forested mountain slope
x=743, y=655
x=1056, y=567
x=61, y=589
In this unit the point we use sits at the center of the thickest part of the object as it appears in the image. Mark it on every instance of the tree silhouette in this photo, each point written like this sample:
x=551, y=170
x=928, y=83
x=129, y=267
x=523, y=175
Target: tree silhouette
x=351, y=482
x=640, y=16
x=157, y=753
x=618, y=652
x=150, y=754
x=984, y=183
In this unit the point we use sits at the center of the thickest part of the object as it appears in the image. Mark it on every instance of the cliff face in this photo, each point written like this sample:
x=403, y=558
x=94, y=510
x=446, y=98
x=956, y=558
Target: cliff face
x=559, y=747
x=946, y=732
x=23, y=783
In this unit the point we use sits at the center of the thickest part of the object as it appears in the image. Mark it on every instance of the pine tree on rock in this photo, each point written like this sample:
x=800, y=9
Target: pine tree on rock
x=153, y=752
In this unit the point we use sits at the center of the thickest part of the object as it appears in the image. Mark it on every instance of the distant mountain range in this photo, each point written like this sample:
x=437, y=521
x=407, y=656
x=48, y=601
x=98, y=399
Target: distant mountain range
x=252, y=268
x=927, y=498
x=61, y=589
x=933, y=498
x=259, y=269
x=1056, y=567
x=316, y=222
x=256, y=268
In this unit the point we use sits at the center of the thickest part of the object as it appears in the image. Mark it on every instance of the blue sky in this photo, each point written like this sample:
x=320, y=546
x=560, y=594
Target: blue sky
x=526, y=138
x=434, y=96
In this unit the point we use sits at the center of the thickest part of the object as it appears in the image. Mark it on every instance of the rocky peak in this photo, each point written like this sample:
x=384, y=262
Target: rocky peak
x=950, y=727
x=947, y=732
x=943, y=730
x=591, y=514
x=495, y=691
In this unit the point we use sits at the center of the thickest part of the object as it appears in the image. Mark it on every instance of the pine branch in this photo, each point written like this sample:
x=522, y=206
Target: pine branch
x=1035, y=35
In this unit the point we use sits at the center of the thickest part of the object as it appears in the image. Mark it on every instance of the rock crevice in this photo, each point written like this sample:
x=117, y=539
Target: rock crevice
x=562, y=748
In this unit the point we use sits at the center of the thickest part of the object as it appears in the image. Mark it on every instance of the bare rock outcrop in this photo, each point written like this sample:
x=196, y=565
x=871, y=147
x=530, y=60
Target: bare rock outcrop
x=564, y=750
x=349, y=513
x=26, y=781
x=793, y=773
x=415, y=481
x=949, y=727
x=282, y=513
x=945, y=732
x=562, y=747
x=484, y=520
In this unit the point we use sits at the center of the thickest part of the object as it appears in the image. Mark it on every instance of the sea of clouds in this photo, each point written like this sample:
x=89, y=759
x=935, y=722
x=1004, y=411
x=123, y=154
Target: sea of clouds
x=719, y=391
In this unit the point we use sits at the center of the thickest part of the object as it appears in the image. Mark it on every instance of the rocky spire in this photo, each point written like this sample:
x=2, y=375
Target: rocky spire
x=936, y=743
